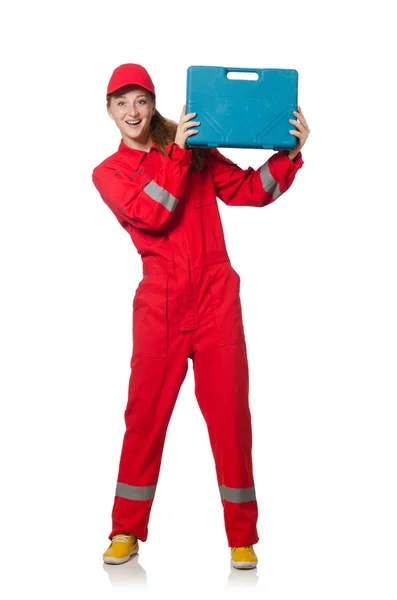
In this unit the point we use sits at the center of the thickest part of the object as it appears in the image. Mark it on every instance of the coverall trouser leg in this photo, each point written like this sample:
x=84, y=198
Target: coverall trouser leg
x=158, y=368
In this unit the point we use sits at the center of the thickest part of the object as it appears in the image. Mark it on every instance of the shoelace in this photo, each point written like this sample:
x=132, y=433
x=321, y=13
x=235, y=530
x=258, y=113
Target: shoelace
x=120, y=538
x=234, y=547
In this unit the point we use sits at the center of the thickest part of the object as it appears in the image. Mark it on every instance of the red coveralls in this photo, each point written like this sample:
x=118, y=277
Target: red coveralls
x=187, y=305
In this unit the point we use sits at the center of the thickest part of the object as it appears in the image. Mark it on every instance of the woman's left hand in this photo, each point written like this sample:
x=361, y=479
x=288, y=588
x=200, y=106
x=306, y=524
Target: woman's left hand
x=302, y=134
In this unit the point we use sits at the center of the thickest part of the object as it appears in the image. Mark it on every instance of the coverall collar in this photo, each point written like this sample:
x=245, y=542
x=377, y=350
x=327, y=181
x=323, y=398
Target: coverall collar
x=133, y=156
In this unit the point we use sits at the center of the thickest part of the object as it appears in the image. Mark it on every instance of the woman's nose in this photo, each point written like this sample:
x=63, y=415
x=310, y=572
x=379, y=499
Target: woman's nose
x=134, y=111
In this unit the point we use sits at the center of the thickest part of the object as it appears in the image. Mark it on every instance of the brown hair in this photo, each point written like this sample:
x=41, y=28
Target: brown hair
x=163, y=132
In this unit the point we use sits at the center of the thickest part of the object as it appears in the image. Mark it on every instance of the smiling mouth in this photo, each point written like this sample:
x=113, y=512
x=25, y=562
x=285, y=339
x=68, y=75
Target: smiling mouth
x=133, y=123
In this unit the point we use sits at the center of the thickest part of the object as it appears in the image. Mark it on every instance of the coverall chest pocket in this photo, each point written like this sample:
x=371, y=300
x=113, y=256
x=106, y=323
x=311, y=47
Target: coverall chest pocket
x=139, y=177
x=149, y=316
x=225, y=292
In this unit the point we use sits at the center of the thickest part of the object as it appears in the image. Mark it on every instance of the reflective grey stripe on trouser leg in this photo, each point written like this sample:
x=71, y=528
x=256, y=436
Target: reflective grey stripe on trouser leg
x=237, y=494
x=161, y=195
x=269, y=183
x=135, y=492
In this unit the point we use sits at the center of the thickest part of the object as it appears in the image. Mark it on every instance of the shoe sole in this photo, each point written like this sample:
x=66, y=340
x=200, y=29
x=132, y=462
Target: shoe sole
x=244, y=565
x=111, y=560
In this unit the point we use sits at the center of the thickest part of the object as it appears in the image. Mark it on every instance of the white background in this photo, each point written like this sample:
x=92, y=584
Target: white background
x=318, y=290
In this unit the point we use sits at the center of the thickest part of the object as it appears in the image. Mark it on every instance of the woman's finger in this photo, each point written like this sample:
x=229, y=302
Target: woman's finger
x=188, y=117
x=301, y=117
x=297, y=124
x=301, y=124
x=191, y=123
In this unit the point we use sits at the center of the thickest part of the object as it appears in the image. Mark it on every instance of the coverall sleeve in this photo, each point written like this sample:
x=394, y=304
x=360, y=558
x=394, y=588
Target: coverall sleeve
x=151, y=206
x=252, y=187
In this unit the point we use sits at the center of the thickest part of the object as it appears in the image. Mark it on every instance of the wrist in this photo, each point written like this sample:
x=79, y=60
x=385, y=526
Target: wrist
x=292, y=154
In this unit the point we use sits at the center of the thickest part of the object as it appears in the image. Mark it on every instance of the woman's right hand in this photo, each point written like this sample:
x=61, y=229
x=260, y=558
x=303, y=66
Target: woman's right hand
x=183, y=131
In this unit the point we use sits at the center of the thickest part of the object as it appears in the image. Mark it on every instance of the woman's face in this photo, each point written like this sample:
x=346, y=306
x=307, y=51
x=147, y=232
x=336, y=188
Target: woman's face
x=132, y=112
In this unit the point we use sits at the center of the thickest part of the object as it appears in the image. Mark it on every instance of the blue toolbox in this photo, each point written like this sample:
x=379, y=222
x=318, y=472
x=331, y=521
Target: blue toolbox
x=242, y=113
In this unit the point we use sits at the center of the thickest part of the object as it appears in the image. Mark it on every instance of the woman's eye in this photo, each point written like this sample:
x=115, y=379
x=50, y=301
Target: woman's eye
x=122, y=102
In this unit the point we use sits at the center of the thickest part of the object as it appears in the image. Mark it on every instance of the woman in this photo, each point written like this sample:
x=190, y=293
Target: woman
x=187, y=304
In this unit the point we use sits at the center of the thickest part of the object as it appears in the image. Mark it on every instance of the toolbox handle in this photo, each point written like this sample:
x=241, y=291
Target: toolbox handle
x=241, y=70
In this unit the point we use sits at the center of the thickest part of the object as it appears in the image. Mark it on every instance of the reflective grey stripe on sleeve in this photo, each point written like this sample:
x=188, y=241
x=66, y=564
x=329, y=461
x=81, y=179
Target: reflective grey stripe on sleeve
x=237, y=494
x=161, y=195
x=135, y=492
x=268, y=182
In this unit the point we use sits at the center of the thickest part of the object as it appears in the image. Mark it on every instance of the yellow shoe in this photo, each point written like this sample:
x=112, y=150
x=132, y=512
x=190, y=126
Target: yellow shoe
x=121, y=548
x=244, y=557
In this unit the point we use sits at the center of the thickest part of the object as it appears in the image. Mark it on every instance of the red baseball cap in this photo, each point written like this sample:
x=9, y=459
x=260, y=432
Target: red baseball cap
x=129, y=74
